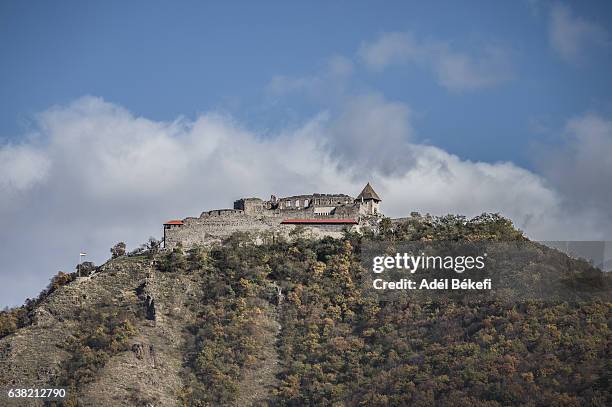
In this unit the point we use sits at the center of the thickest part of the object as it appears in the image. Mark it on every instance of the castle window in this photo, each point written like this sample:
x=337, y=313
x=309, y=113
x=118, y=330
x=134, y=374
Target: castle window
x=297, y=203
x=305, y=203
x=288, y=204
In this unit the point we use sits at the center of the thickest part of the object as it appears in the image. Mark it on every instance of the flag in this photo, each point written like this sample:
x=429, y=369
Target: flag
x=82, y=254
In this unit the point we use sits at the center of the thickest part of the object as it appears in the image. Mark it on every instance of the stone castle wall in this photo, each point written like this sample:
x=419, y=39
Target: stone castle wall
x=303, y=201
x=255, y=215
x=220, y=224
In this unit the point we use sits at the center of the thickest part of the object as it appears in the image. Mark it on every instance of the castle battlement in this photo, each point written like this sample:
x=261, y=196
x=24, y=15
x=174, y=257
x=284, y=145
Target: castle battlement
x=322, y=214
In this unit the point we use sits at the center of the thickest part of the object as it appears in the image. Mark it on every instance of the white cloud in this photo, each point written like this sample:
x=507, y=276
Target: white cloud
x=332, y=77
x=340, y=66
x=21, y=167
x=459, y=71
x=455, y=70
x=580, y=167
x=110, y=176
x=572, y=36
x=392, y=48
x=373, y=132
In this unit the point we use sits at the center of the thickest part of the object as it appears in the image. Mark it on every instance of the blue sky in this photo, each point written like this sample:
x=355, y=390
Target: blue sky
x=165, y=59
x=116, y=116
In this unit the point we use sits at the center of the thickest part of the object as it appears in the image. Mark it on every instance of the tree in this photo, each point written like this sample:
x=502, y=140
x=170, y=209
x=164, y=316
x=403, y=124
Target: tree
x=8, y=323
x=118, y=250
x=386, y=227
x=297, y=232
x=152, y=247
x=174, y=261
x=196, y=258
x=85, y=269
x=59, y=280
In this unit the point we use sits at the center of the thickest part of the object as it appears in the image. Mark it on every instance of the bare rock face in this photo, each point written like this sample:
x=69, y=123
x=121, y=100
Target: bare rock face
x=43, y=318
x=150, y=308
x=138, y=350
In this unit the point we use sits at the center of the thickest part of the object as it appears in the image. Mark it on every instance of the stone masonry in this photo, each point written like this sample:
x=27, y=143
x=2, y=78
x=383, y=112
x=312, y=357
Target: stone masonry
x=320, y=214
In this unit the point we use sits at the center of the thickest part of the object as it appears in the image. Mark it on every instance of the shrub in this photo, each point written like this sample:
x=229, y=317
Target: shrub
x=151, y=248
x=85, y=269
x=174, y=261
x=8, y=323
x=118, y=250
x=60, y=279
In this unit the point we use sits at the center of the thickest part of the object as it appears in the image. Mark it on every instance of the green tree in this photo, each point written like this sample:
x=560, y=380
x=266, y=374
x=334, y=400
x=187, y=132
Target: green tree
x=85, y=269
x=152, y=247
x=118, y=250
x=175, y=261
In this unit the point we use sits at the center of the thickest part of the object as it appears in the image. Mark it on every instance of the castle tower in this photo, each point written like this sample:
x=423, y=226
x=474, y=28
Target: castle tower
x=369, y=201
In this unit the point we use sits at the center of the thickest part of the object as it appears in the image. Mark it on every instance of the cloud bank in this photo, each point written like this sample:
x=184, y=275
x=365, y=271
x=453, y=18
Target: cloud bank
x=94, y=174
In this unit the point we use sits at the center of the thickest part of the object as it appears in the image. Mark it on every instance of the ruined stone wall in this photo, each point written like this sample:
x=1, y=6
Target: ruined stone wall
x=216, y=225
x=255, y=215
x=220, y=224
x=302, y=201
x=251, y=205
x=347, y=211
x=299, y=201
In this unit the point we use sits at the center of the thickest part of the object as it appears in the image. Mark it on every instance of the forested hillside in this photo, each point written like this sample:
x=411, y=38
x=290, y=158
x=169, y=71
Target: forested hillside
x=291, y=322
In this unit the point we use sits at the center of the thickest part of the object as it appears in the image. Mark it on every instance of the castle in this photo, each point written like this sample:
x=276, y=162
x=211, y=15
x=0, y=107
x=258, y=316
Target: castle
x=321, y=214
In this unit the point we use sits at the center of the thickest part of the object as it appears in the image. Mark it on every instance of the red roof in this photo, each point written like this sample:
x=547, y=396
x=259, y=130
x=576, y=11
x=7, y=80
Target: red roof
x=174, y=222
x=320, y=221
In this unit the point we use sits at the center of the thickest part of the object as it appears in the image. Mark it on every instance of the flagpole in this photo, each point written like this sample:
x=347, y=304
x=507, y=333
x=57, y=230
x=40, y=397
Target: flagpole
x=81, y=255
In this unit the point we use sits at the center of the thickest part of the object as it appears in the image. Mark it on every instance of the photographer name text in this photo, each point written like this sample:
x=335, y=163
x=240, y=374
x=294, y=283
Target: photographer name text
x=434, y=284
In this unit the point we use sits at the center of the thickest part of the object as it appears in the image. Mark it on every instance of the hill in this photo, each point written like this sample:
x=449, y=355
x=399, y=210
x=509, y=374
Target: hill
x=296, y=323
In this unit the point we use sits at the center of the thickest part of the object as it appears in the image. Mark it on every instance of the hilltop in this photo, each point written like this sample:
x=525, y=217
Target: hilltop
x=260, y=321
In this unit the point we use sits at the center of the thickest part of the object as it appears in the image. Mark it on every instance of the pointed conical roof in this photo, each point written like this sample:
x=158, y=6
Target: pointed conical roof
x=368, y=193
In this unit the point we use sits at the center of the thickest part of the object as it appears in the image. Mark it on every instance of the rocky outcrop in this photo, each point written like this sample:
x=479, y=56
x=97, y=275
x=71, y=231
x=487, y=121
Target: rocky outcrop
x=149, y=372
